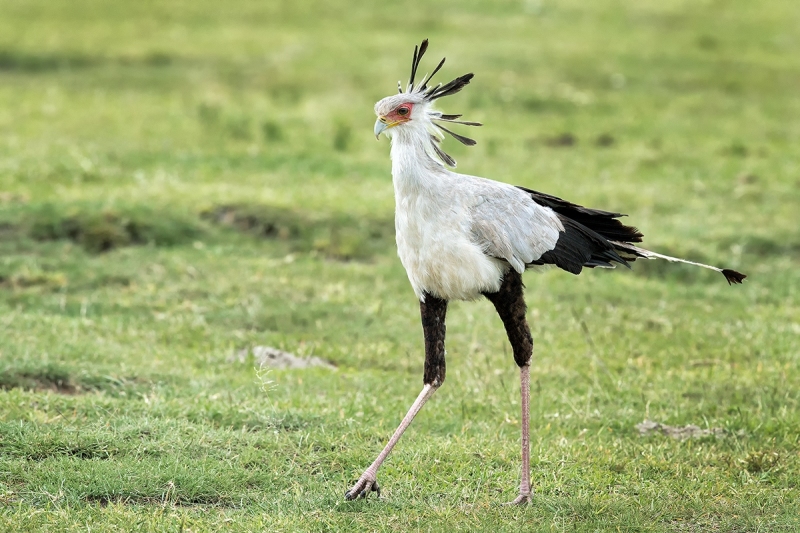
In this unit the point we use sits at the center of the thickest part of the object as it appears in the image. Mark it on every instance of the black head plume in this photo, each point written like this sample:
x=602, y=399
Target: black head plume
x=460, y=138
x=441, y=153
x=419, y=51
x=435, y=92
x=439, y=90
x=424, y=84
x=448, y=88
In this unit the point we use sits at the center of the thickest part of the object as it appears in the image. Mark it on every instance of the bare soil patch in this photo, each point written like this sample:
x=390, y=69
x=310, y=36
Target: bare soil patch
x=267, y=356
x=649, y=427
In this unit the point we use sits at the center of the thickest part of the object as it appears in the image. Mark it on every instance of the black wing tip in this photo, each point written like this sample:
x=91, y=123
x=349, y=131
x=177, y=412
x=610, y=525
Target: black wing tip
x=733, y=277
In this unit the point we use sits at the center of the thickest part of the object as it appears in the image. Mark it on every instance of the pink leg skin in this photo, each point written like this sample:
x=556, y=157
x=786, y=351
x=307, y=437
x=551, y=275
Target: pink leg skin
x=368, y=480
x=525, y=393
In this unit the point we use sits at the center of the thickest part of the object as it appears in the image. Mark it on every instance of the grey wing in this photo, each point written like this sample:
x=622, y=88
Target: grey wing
x=506, y=223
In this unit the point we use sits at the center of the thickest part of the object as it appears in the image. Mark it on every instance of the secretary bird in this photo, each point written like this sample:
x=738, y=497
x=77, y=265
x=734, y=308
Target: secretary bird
x=462, y=237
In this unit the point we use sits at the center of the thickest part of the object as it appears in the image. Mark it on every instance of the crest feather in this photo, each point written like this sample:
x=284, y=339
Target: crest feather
x=429, y=94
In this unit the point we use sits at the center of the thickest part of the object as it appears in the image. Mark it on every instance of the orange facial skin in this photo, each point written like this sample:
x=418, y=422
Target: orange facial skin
x=400, y=114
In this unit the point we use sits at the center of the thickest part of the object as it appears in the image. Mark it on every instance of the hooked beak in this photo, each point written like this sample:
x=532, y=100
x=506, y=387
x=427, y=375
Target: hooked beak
x=380, y=125
x=383, y=124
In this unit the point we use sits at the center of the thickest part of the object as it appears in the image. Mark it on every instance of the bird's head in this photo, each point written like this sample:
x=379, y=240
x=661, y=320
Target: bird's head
x=399, y=109
x=412, y=109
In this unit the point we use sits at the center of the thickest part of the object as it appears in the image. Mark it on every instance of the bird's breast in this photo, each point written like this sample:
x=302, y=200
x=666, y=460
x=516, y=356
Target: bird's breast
x=435, y=246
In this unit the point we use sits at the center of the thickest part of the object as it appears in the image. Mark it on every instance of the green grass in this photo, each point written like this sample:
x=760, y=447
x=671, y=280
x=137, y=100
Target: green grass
x=181, y=180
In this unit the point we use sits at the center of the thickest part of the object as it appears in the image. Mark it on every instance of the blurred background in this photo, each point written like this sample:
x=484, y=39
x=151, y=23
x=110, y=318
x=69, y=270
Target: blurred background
x=181, y=180
x=649, y=107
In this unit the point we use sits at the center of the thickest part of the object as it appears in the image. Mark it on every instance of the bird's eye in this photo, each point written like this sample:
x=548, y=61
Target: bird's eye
x=403, y=111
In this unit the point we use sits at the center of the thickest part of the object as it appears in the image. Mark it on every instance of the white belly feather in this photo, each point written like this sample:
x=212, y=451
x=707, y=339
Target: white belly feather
x=435, y=248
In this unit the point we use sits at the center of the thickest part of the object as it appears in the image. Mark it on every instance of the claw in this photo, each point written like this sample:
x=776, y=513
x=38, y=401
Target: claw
x=362, y=488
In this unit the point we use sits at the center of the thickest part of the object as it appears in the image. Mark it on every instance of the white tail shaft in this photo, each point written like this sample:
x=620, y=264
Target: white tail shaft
x=731, y=275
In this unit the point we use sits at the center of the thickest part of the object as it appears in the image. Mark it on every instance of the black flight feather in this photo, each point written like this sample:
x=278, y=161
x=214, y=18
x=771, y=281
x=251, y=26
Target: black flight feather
x=605, y=223
x=605, y=239
x=578, y=247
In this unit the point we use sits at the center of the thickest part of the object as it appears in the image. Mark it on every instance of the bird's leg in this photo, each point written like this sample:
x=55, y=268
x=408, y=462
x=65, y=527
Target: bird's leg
x=433, y=311
x=525, y=478
x=368, y=481
x=510, y=305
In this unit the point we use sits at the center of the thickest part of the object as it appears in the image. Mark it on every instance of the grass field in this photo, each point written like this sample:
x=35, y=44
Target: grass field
x=183, y=180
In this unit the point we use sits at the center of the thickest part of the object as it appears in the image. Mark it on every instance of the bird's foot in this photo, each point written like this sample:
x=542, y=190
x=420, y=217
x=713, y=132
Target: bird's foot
x=522, y=499
x=366, y=483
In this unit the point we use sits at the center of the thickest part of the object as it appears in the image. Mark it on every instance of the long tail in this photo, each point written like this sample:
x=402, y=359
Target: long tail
x=631, y=253
x=600, y=238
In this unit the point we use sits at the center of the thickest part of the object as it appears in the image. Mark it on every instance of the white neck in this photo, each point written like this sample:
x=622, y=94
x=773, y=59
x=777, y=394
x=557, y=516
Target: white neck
x=413, y=167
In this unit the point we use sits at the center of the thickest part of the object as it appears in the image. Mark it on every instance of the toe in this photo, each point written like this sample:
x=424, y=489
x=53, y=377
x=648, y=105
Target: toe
x=522, y=499
x=361, y=489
